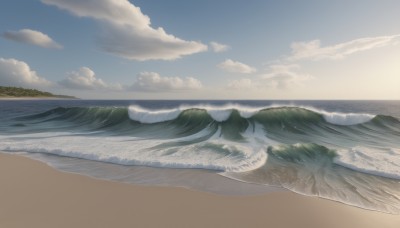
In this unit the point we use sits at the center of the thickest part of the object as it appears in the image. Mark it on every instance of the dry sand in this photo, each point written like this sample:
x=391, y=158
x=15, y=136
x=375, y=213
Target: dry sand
x=33, y=194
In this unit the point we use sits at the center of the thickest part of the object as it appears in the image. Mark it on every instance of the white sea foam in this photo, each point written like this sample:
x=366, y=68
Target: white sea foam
x=384, y=163
x=219, y=114
x=215, y=153
x=149, y=116
x=346, y=118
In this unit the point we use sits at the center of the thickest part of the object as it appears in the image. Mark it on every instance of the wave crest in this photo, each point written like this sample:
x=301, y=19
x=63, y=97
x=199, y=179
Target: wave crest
x=346, y=118
x=222, y=113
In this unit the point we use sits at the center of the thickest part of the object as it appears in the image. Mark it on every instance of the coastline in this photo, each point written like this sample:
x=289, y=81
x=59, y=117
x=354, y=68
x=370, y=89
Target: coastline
x=35, y=98
x=33, y=194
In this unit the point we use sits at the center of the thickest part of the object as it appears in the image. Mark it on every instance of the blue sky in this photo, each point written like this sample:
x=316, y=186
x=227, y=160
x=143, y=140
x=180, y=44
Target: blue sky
x=226, y=49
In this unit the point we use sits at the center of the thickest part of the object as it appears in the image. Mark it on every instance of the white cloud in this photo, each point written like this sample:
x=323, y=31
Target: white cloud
x=29, y=36
x=284, y=76
x=277, y=77
x=313, y=50
x=85, y=78
x=236, y=67
x=153, y=82
x=217, y=47
x=17, y=73
x=128, y=32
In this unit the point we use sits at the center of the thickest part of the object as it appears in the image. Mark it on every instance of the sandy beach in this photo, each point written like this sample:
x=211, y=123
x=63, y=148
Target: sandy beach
x=33, y=194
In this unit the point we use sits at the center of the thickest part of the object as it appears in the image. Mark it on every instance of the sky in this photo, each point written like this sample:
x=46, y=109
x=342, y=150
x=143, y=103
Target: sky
x=202, y=49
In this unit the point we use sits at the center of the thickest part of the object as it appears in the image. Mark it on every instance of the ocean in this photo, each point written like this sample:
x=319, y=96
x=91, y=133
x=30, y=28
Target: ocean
x=346, y=151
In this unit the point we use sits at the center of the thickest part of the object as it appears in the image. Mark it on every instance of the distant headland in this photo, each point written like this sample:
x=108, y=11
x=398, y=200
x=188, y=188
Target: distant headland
x=18, y=92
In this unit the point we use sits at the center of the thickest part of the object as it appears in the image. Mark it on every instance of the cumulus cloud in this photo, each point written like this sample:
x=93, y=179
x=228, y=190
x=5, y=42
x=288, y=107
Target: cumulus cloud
x=314, y=51
x=285, y=76
x=29, y=36
x=17, y=73
x=236, y=67
x=217, y=47
x=85, y=78
x=127, y=32
x=276, y=76
x=151, y=81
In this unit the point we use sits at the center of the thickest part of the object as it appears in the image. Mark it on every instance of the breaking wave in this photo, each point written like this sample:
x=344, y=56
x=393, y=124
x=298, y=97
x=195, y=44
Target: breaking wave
x=307, y=150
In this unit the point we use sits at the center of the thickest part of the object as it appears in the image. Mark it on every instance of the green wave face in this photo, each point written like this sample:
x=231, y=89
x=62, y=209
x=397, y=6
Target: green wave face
x=291, y=120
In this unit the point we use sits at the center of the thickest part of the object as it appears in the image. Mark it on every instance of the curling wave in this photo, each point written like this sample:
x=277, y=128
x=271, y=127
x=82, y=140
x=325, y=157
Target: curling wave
x=222, y=113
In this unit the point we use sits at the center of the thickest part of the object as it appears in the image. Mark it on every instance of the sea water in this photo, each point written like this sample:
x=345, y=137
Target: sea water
x=347, y=151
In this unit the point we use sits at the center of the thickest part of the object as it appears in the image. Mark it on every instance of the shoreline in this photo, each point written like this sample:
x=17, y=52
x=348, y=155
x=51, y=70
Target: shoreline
x=33, y=194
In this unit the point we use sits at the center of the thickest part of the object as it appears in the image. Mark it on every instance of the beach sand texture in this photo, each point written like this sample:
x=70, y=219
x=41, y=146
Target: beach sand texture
x=33, y=194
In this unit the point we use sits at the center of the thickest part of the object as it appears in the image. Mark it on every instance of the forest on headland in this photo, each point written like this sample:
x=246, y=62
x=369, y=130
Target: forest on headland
x=11, y=92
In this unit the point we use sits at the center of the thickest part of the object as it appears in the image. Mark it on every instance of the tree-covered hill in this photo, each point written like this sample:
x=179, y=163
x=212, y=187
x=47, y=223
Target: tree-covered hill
x=22, y=92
